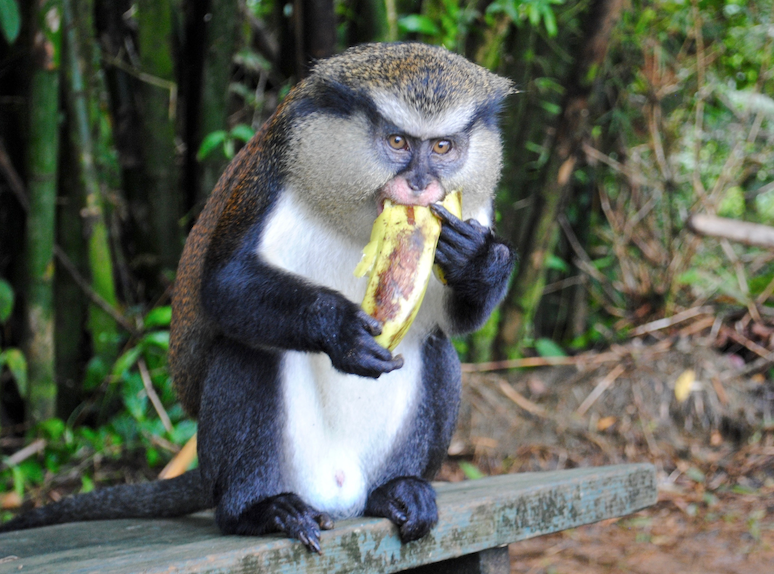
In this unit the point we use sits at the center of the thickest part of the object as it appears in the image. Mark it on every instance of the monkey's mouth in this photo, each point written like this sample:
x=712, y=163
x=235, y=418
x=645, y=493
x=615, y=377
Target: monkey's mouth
x=399, y=193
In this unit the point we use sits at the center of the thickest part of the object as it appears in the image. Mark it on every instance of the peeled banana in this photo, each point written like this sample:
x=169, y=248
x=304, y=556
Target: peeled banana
x=399, y=259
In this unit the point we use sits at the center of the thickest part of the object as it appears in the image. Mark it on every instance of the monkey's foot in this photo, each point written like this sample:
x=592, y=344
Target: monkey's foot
x=409, y=502
x=288, y=514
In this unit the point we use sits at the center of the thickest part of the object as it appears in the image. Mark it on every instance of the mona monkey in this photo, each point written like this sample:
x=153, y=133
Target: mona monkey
x=303, y=417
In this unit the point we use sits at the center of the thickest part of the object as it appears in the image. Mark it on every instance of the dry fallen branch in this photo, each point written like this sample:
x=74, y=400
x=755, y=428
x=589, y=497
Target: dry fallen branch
x=30, y=450
x=583, y=359
x=733, y=229
x=673, y=320
x=521, y=400
x=603, y=385
x=154, y=398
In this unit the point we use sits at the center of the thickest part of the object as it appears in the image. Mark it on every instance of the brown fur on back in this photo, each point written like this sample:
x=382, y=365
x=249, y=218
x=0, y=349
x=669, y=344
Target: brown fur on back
x=191, y=332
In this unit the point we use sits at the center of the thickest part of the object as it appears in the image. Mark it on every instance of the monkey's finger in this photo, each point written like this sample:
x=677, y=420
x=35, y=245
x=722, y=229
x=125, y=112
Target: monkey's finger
x=470, y=228
x=324, y=520
x=373, y=326
x=373, y=368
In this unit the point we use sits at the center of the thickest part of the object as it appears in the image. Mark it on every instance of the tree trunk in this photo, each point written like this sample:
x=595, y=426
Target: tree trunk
x=158, y=112
x=556, y=177
x=316, y=34
x=42, y=174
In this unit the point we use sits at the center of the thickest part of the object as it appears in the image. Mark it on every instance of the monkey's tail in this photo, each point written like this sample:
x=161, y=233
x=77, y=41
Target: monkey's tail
x=158, y=499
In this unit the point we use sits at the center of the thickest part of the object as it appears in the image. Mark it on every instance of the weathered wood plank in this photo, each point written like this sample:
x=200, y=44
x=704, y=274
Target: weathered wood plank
x=490, y=561
x=473, y=516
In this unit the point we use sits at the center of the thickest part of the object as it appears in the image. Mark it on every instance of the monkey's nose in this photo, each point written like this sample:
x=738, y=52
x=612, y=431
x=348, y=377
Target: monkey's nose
x=418, y=183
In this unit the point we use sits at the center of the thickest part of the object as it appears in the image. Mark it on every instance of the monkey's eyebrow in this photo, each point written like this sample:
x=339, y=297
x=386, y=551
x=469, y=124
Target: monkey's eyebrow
x=416, y=122
x=336, y=99
x=487, y=112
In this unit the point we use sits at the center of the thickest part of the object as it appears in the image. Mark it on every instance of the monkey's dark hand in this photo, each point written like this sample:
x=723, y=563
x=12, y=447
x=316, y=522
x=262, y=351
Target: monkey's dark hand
x=475, y=263
x=409, y=502
x=288, y=514
x=347, y=334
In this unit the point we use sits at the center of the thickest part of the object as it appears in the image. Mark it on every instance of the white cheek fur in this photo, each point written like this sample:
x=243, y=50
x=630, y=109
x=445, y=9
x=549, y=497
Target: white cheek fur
x=340, y=429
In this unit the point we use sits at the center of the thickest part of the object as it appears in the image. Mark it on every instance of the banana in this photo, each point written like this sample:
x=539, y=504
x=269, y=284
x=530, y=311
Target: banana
x=399, y=259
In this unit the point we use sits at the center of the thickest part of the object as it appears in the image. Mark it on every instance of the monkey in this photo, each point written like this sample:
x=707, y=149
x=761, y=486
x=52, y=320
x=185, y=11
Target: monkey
x=303, y=418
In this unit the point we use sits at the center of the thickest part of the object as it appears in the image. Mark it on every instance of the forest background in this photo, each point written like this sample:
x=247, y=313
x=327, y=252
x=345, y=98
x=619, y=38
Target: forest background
x=117, y=117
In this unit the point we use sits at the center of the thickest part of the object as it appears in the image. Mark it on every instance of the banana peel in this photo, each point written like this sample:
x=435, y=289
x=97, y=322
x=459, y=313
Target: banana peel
x=399, y=260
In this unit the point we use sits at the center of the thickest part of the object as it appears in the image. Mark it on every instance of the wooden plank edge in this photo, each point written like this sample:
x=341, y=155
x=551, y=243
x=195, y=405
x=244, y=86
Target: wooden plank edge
x=473, y=516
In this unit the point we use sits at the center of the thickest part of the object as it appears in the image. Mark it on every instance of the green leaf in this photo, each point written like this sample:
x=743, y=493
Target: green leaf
x=550, y=21
x=6, y=298
x=471, y=471
x=96, y=371
x=547, y=348
x=158, y=317
x=228, y=148
x=242, y=132
x=157, y=338
x=87, y=484
x=210, y=142
x=134, y=396
x=54, y=428
x=126, y=362
x=10, y=20
x=418, y=24
x=16, y=362
x=554, y=262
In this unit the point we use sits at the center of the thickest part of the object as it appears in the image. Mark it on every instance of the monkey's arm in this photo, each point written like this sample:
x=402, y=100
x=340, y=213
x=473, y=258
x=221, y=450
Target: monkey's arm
x=476, y=264
x=262, y=306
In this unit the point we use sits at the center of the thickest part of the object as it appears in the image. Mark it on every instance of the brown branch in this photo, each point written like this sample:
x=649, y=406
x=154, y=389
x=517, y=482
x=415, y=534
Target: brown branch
x=673, y=320
x=733, y=229
x=154, y=398
x=13, y=178
x=601, y=387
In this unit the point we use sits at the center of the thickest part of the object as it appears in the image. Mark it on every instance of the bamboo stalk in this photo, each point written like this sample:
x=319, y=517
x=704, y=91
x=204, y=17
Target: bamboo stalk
x=101, y=325
x=42, y=165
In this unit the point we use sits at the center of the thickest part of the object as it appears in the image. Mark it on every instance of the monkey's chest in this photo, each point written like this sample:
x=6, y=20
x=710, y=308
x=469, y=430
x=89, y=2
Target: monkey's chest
x=340, y=429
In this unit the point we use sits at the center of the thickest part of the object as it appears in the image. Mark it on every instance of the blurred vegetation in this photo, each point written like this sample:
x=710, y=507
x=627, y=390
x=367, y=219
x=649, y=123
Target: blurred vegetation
x=631, y=116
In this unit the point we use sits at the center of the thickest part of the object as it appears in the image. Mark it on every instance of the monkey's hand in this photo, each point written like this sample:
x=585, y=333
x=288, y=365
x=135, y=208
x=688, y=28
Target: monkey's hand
x=409, y=502
x=476, y=265
x=348, y=338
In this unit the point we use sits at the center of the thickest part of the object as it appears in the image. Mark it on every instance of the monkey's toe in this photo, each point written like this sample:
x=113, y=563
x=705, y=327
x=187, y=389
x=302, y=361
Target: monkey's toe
x=409, y=502
x=288, y=514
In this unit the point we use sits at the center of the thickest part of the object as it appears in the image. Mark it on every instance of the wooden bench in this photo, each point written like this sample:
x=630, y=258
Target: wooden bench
x=477, y=520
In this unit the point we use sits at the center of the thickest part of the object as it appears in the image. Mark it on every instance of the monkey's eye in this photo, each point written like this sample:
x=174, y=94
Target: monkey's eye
x=398, y=142
x=442, y=146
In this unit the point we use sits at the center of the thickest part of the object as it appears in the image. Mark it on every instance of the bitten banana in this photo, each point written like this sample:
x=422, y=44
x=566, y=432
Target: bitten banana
x=400, y=258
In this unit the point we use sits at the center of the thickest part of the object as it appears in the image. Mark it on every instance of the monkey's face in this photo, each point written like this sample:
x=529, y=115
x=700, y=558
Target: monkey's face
x=404, y=122
x=345, y=168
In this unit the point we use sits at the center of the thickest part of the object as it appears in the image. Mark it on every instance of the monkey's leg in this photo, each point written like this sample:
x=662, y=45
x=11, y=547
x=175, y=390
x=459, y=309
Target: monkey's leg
x=240, y=447
x=476, y=265
x=402, y=496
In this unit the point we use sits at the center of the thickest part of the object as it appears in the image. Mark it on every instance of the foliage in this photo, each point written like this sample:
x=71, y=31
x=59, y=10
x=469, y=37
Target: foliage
x=11, y=358
x=689, y=128
x=226, y=140
x=148, y=421
x=10, y=20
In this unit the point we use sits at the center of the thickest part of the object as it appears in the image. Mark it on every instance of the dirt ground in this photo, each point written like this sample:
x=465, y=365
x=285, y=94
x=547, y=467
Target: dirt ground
x=698, y=415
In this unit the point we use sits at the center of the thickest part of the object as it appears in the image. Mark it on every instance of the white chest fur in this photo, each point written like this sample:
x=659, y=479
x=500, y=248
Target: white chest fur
x=339, y=428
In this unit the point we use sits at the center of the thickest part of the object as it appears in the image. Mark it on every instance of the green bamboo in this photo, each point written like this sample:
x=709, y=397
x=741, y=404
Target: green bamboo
x=42, y=168
x=102, y=327
x=221, y=43
x=158, y=107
